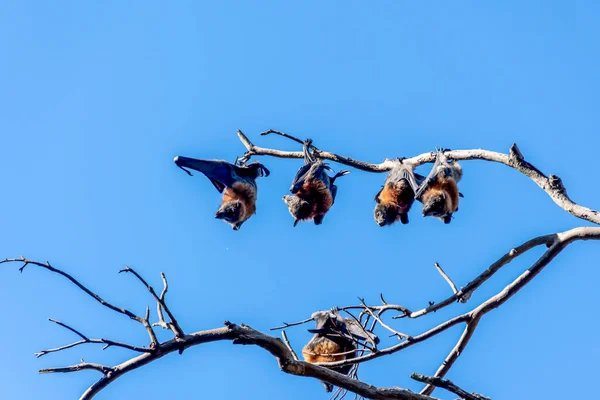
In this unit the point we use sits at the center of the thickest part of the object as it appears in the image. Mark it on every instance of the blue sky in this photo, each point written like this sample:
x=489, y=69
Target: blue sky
x=97, y=99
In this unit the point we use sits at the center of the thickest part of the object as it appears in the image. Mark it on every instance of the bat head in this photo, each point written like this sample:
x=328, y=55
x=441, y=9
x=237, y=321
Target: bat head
x=435, y=205
x=258, y=169
x=385, y=215
x=299, y=209
x=326, y=322
x=231, y=212
x=330, y=322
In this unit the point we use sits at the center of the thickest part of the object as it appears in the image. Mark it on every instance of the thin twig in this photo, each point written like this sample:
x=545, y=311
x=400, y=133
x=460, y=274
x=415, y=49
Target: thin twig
x=400, y=335
x=448, y=385
x=177, y=331
x=289, y=346
x=286, y=325
x=78, y=367
x=464, y=297
x=85, y=340
x=159, y=311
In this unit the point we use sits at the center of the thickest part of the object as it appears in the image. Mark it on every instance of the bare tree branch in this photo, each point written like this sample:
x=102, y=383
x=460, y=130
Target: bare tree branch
x=143, y=321
x=289, y=346
x=85, y=340
x=285, y=356
x=464, y=298
x=449, y=386
x=485, y=275
x=551, y=184
x=562, y=240
x=79, y=367
x=173, y=325
x=383, y=324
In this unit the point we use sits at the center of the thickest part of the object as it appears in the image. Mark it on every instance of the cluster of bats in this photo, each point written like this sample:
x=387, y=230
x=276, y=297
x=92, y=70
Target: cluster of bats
x=313, y=191
x=313, y=194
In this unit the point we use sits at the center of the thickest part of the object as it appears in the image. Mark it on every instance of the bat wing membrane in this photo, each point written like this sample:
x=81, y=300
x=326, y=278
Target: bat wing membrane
x=220, y=173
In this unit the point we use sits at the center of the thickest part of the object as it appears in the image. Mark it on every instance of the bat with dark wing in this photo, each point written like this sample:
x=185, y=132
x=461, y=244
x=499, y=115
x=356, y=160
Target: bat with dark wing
x=439, y=191
x=335, y=339
x=237, y=183
x=394, y=200
x=313, y=190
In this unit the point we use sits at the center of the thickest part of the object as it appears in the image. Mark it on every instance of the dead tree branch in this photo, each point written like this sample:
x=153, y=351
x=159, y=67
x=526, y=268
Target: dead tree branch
x=550, y=184
x=85, y=339
x=286, y=357
x=173, y=325
x=449, y=386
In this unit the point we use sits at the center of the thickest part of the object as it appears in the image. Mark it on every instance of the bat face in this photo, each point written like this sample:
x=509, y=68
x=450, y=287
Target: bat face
x=299, y=209
x=435, y=205
x=385, y=215
x=231, y=213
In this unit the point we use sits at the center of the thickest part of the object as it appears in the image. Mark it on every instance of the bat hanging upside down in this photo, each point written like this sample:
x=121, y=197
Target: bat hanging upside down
x=313, y=191
x=397, y=195
x=237, y=183
x=439, y=191
x=335, y=340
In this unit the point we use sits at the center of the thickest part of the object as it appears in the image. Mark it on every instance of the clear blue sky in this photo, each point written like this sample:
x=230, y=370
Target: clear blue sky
x=98, y=97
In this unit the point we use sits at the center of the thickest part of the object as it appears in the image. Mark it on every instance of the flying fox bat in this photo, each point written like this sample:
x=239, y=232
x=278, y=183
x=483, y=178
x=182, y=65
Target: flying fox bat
x=439, y=191
x=397, y=195
x=237, y=183
x=313, y=191
x=335, y=339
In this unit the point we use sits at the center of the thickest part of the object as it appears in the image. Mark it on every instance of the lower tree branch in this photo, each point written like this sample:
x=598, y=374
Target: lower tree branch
x=282, y=350
x=449, y=386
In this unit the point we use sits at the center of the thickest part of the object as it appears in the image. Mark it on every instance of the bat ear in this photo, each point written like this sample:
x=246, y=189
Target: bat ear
x=296, y=222
x=262, y=170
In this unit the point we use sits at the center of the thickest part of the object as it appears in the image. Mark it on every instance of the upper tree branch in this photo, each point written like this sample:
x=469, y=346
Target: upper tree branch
x=551, y=184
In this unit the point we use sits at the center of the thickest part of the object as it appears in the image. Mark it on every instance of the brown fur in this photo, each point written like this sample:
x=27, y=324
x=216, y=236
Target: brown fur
x=318, y=195
x=398, y=195
x=447, y=186
x=246, y=194
x=389, y=195
x=316, y=351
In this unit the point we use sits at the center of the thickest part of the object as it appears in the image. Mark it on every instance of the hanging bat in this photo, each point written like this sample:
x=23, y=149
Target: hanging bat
x=237, y=183
x=335, y=340
x=439, y=191
x=313, y=190
x=397, y=195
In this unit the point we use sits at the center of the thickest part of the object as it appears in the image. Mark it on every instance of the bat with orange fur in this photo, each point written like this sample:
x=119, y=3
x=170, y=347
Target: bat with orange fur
x=237, y=183
x=335, y=339
x=394, y=200
x=439, y=191
x=313, y=190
